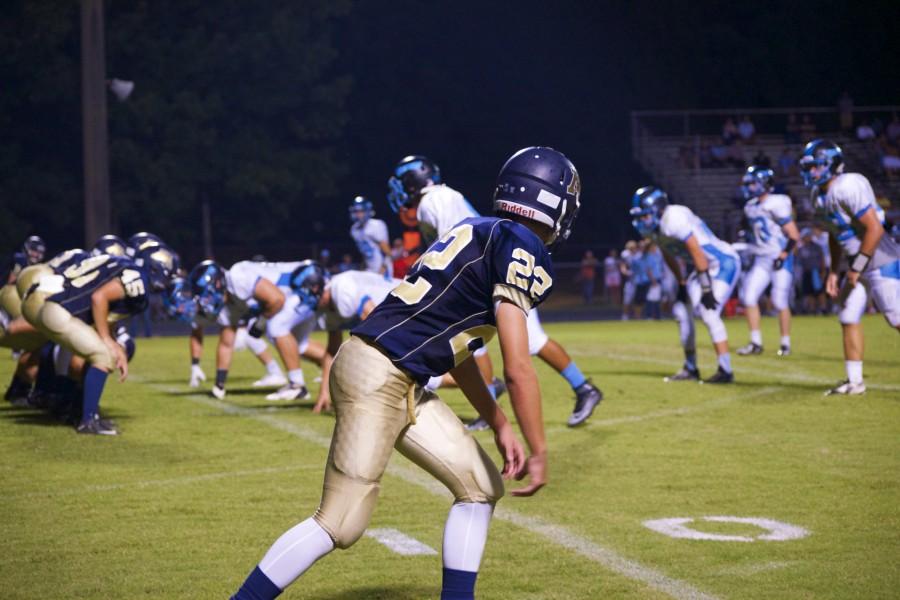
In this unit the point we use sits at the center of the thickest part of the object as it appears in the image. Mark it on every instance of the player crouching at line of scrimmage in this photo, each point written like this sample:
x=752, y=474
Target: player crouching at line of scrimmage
x=676, y=228
x=479, y=279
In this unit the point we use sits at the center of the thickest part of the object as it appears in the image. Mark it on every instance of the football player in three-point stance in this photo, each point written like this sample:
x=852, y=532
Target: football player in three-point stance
x=676, y=228
x=773, y=237
x=33, y=250
x=856, y=228
x=65, y=303
x=371, y=237
x=416, y=183
x=479, y=279
x=229, y=296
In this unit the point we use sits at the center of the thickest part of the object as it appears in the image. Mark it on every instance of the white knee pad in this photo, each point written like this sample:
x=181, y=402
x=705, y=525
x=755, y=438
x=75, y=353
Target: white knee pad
x=782, y=283
x=537, y=337
x=755, y=282
x=256, y=345
x=854, y=306
x=714, y=323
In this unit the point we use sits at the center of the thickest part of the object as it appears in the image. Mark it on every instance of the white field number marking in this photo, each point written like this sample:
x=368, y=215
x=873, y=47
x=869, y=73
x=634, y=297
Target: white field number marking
x=678, y=528
x=399, y=543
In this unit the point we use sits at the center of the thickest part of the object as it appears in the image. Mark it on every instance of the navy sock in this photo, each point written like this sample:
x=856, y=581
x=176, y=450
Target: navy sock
x=573, y=375
x=257, y=587
x=221, y=376
x=458, y=585
x=94, y=380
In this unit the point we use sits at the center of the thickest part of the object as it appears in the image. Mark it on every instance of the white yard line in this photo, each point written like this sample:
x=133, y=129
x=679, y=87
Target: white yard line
x=551, y=532
x=785, y=375
x=673, y=412
x=399, y=543
x=186, y=480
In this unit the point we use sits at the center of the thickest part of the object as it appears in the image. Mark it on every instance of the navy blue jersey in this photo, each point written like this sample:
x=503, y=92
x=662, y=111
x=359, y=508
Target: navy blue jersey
x=66, y=259
x=83, y=277
x=444, y=309
x=14, y=266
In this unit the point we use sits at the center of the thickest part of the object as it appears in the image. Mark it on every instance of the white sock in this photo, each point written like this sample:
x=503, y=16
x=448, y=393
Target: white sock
x=786, y=340
x=465, y=534
x=434, y=383
x=296, y=376
x=272, y=367
x=295, y=551
x=756, y=336
x=854, y=370
x=725, y=361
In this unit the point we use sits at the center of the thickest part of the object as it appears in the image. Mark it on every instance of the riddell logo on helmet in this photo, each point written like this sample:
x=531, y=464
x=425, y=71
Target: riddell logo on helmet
x=516, y=209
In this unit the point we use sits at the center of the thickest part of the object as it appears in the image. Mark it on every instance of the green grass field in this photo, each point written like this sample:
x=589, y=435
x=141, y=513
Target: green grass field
x=187, y=499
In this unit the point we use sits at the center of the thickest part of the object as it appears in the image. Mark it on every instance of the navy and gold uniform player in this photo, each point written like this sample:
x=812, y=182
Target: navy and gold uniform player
x=847, y=204
x=479, y=279
x=32, y=252
x=74, y=305
x=416, y=183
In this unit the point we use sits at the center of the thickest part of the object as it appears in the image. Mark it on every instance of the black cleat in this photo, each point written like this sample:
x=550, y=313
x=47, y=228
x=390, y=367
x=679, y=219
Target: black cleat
x=750, y=349
x=587, y=397
x=721, y=376
x=685, y=374
x=97, y=426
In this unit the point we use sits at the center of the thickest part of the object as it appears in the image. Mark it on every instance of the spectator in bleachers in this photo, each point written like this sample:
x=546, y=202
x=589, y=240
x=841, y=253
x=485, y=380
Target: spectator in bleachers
x=346, y=264
x=762, y=159
x=792, y=130
x=587, y=276
x=893, y=130
x=399, y=254
x=845, y=111
x=865, y=132
x=787, y=164
x=747, y=130
x=811, y=259
x=729, y=132
x=807, y=128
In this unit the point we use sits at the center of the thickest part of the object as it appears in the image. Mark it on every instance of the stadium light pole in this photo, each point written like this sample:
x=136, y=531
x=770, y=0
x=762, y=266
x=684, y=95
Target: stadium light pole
x=97, y=220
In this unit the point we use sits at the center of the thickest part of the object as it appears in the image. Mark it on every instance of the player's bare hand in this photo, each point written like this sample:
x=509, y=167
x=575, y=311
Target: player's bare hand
x=511, y=450
x=121, y=359
x=322, y=404
x=831, y=285
x=536, y=469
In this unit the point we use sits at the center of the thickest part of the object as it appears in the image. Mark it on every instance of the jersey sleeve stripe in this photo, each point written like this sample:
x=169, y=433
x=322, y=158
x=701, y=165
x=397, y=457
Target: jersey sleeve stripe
x=362, y=305
x=862, y=212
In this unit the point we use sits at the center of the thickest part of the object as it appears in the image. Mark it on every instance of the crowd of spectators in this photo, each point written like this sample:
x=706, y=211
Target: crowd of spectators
x=882, y=142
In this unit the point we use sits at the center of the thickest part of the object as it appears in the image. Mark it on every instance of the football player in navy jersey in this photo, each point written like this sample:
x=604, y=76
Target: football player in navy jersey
x=32, y=253
x=74, y=304
x=479, y=279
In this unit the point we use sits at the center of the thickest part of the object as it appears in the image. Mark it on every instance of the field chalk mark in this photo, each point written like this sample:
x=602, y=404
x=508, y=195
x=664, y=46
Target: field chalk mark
x=399, y=543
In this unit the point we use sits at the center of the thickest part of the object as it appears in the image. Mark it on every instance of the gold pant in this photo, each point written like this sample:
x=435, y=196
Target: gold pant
x=370, y=398
x=58, y=324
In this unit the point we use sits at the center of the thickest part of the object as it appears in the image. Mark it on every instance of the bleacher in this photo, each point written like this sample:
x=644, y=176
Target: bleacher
x=711, y=191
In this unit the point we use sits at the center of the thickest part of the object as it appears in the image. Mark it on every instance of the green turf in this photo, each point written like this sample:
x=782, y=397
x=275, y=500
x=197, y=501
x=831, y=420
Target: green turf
x=189, y=497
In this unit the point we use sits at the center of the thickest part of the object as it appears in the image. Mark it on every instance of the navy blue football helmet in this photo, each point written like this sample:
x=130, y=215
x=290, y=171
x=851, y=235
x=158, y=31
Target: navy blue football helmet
x=757, y=181
x=821, y=161
x=308, y=281
x=160, y=263
x=647, y=206
x=112, y=245
x=361, y=210
x=208, y=284
x=34, y=249
x=411, y=176
x=177, y=301
x=142, y=240
x=542, y=185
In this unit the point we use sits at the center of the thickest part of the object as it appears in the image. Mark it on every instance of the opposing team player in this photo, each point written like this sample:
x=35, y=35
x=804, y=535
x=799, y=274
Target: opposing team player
x=856, y=228
x=773, y=237
x=676, y=228
x=479, y=279
x=73, y=306
x=371, y=237
x=416, y=183
x=32, y=252
x=262, y=291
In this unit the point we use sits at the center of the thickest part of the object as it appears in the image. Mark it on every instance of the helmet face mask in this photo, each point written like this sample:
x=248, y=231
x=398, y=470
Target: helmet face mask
x=177, y=301
x=161, y=265
x=411, y=175
x=822, y=160
x=647, y=206
x=541, y=185
x=208, y=285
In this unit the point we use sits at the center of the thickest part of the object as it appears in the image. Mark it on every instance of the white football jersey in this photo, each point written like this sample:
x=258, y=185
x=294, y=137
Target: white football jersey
x=848, y=197
x=679, y=223
x=351, y=291
x=440, y=209
x=368, y=235
x=766, y=217
x=242, y=277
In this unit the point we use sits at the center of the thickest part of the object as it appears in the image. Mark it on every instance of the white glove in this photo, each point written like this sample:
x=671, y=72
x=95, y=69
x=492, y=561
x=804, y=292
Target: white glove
x=197, y=375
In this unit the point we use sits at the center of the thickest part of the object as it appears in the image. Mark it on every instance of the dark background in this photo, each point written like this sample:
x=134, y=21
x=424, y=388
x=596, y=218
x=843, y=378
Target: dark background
x=280, y=112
